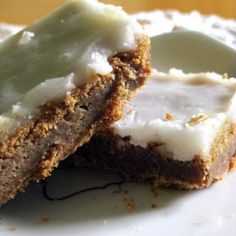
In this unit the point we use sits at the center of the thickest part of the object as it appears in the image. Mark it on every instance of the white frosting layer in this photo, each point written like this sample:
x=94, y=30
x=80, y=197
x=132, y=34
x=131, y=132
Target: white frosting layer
x=47, y=91
x=63, y=50
x=185, y=96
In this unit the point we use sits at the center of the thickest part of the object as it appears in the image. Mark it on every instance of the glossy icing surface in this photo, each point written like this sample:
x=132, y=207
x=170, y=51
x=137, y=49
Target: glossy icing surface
x=183, y=111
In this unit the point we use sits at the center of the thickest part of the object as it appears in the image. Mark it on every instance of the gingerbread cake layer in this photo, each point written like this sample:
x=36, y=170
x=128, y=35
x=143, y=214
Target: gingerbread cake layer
x=62, y=79
x=179, y=131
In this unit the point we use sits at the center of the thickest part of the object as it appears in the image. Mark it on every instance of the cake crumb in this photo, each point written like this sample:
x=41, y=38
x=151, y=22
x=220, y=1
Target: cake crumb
x=169, y=116
x=153, y=206
x=12, y=229
x=44, y=220
x=197, y=119
x=130, y=205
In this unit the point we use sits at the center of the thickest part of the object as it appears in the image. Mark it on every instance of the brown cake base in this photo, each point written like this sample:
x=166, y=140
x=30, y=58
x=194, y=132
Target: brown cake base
x=109, y=151
x=63, y=126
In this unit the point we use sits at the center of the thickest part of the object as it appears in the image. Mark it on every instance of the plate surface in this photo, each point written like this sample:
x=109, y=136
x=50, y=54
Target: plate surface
x=118, y=211
x=132, y=209
x=193, y=52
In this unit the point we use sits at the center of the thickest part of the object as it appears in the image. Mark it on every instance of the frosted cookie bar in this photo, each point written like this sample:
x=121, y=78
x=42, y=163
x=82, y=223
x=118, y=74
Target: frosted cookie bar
x=179, y=131
x=61, y=79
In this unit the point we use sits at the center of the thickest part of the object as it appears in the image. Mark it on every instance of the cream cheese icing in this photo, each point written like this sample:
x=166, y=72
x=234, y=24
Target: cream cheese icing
x=61, y=51
x=187, y=97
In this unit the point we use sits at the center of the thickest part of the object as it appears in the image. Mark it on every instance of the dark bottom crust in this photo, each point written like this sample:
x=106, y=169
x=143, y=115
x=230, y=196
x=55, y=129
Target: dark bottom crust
x=37, y=148
x=107, y=151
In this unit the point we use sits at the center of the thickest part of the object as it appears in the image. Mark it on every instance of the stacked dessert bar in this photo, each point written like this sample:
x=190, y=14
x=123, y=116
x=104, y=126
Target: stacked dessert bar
x=179, y=131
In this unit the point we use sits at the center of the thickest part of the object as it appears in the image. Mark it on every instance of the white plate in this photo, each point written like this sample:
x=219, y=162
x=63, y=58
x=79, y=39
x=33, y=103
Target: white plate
x=192, y=52
x=104, y=212
x=206, y=212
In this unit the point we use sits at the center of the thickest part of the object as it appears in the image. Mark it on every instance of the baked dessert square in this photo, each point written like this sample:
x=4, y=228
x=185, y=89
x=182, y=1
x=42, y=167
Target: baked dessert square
x=179, y=131
x=62, y=79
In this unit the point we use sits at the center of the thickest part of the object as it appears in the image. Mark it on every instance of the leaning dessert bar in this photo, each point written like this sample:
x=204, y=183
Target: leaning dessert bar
x=62, y=79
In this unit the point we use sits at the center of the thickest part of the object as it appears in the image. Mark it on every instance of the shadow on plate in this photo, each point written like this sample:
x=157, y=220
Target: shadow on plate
x=116, y=201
